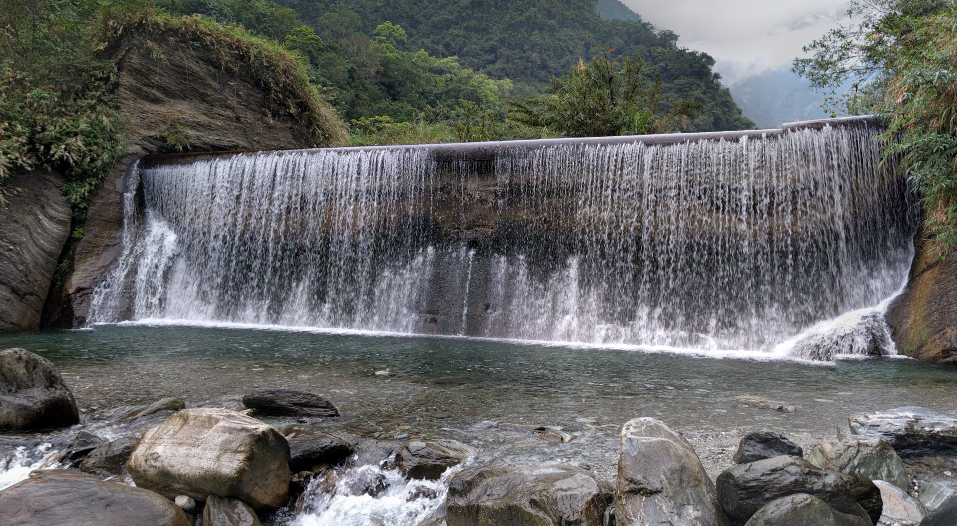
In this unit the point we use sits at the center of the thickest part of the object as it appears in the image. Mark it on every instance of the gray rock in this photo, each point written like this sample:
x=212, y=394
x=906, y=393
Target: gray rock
x=309, y=451
x=289, y=402
x=765, y=444
x=429, y=459
x=33, y=395
x=857, y=334
x=83, y=444
x=165, y=404
x=109, y=459
x=805, y=510
x=228, y=512
x=185, y=503
x=913, y=431
x=935, y=493
x=900, y=509
x=59, y=497
x=547, y=494
x=945, y=515
x=35, y=226
x=206, y=451
x=746, y=488
x=661, y=480
x=871, y=458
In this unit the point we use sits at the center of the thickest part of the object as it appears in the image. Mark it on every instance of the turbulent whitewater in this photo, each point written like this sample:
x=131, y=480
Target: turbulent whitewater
x=712, y=241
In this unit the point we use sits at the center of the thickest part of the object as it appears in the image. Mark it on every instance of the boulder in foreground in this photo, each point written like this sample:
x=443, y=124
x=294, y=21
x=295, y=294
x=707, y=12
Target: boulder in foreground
x=804, y=510
x=208, y=451
x=525, y=495
x=746, y=488
x=58, y=497
x=760, y=445
x=913, y=431
x=870, y=458
x=33, y=395
x=661, y=479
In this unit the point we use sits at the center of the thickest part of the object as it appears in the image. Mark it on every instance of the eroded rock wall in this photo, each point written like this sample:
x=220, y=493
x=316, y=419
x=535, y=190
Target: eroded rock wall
x=174, y=97
x=34, y=226
x=923, y=319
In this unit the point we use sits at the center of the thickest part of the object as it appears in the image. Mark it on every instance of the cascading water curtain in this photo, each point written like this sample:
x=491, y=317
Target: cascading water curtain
x=706, y=244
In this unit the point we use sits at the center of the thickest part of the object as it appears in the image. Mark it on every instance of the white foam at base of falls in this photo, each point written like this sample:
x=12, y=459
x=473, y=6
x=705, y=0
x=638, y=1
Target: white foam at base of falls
x=704, y=246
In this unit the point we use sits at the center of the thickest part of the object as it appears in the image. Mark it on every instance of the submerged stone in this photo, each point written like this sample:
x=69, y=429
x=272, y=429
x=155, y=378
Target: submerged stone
x=289, y=402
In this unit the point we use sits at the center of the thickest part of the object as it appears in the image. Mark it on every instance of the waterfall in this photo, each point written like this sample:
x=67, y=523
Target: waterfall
x=708, y=241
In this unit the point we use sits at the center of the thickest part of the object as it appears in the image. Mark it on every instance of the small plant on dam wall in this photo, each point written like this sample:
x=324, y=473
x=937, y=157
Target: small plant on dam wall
x=902, y=55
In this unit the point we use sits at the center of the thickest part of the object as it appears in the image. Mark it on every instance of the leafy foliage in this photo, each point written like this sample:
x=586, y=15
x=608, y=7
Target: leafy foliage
x=530, y=41
x=53, y=92
x=902, y=58
x=56, y=80
x=603, y=97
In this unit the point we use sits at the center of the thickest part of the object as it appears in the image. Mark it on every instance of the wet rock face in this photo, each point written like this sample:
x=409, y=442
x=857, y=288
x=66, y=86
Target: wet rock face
x=870, y=458
x=852, y=334
x=525, y=495
x=923, y=319
x=765, y=444
x=912, y=431
x=309, y=451
x=289, y=402
x=661, y=480
x=220, y=111
x=33, y=395
x=67, y=497
x=202, y=452
x=746, y=488
x=429, y=459
x=109, y=459
x=802, y=509
x=34, y=226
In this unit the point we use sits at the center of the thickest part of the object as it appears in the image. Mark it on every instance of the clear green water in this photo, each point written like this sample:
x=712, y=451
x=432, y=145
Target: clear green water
x=459, y=388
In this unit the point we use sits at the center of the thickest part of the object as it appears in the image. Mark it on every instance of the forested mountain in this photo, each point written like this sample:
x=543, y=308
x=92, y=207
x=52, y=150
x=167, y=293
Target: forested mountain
x=777, y=96
x=615, y=10
x=530, y=41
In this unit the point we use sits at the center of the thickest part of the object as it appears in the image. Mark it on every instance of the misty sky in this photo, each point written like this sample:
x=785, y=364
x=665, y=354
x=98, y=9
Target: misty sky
x=744, y=36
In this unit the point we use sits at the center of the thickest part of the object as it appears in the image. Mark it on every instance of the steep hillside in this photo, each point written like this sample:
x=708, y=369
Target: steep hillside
x=778, y=96
x=615, y=10
x=529, y=41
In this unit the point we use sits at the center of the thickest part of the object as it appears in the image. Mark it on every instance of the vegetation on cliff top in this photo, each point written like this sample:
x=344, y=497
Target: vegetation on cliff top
x=56, y=77
x=901, y=58
x=531, y=41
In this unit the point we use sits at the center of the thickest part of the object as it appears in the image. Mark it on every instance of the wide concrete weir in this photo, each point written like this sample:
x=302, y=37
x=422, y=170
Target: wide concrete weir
x=716, y=240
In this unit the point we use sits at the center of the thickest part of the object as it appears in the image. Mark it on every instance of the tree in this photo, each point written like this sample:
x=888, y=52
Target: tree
x=601, y=98
x=901, y=57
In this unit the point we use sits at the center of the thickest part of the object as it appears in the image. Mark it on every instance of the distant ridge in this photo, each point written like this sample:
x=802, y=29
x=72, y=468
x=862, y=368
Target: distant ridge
x=615, y=10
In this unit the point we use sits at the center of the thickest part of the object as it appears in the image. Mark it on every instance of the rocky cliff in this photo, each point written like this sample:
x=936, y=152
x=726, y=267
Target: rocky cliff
x=923, y=319
x=35, y=224
x=177, y=93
